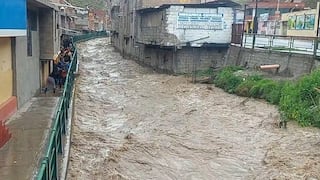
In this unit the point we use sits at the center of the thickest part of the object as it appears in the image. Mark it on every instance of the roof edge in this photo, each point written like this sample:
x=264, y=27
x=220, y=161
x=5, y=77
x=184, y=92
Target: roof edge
x=214, y=4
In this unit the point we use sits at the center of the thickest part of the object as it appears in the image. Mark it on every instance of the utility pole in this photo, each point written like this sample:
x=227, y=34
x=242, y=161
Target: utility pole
x=255, y=25
x=277, y=18
x=243, y=24
x=316, y=41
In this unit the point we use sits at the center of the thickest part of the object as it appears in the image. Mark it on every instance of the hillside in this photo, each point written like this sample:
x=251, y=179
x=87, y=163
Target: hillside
x=96, y=4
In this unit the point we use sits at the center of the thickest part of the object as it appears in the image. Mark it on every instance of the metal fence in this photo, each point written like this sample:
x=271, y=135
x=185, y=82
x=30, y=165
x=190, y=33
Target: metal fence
x=49, y=167
x=291, y=44
x=88, y=36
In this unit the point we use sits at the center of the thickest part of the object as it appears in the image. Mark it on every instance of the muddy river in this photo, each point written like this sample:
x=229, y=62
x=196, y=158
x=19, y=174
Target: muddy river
x=133, y=123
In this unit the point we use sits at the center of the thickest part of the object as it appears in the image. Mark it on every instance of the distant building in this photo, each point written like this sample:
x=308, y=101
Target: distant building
x=178, y=37
x=268, y=14
x=97, y=20
x=300, y=23
x=82, y=22
x=72, y=19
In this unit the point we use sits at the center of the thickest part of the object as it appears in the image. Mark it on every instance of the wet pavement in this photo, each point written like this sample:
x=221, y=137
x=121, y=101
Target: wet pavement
x=132, y=123
x=19, y=158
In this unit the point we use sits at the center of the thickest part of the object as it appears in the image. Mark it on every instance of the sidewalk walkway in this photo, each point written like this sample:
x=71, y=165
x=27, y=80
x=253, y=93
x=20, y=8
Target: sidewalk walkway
x=19, y=158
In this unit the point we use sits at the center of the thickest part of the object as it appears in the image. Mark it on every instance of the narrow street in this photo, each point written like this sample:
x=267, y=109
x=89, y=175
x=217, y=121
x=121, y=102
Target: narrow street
x=133, y=123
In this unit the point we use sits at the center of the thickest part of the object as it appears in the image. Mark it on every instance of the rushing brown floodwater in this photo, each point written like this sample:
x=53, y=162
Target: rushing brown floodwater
x=132, y=123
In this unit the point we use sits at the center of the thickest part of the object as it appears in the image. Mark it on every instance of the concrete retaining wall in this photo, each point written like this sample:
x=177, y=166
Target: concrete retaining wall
x=185, y=60
x=189, y=59
x=292, y=65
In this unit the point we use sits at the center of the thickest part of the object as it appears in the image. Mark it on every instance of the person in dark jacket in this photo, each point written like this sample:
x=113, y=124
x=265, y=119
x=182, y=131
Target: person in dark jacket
x=51, y=83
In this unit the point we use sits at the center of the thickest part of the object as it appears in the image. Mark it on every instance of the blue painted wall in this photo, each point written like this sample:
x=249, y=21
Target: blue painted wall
x=13, y=15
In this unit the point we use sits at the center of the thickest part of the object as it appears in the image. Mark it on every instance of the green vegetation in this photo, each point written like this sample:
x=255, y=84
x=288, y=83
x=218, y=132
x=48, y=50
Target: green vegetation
x=299, y=101
x=96, y=4
x=227, y=80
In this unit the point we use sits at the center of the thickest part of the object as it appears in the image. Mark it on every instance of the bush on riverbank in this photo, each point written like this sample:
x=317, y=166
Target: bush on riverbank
x=299, y=101
x=226, y=80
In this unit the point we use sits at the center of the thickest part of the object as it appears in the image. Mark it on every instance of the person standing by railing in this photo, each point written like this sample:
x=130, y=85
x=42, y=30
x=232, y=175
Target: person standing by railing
x=51, y=84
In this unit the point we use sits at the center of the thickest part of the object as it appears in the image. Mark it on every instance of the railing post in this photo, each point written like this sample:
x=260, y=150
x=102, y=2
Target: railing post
x=315, y=47
x=291, y=44
x=49, y=168
x=271, y=42
x=245, y=39
x=253, y=41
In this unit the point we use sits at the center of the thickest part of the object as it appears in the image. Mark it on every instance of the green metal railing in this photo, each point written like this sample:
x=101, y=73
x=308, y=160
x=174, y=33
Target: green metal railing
x=49, y=166
x=89, y=36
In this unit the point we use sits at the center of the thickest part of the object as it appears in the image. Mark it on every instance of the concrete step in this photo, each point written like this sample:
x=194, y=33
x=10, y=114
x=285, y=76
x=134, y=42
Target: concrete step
x=5, y=135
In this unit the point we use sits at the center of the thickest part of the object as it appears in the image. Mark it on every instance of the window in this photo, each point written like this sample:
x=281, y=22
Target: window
x=302, y=22
x=292, y=22
x=309, y=21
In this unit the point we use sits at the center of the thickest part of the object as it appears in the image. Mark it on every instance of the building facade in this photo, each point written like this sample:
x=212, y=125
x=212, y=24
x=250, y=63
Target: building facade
x=27, y=39
x=172, y=37
x=26, y=57
x=9, y=30
x=300, y=23
x=268, y=15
